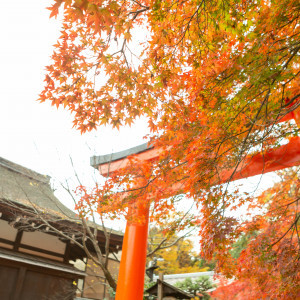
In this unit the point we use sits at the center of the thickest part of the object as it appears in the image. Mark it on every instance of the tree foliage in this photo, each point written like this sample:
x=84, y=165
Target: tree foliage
x=214, y=79
x=174, y=257
x=268, y=266
x=240, y=245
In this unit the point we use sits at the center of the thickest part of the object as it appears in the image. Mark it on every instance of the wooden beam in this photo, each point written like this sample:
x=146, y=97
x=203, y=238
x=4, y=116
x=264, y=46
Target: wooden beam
x=18, y=240
x=110, y=167
x=276, y=159
x=36, y=249
x=280, y=158
x=145, y=153
x=5, y=241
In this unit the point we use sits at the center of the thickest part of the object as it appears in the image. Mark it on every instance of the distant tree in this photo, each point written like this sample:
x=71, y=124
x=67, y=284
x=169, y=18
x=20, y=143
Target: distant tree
x=203, y=264
x=270, y=262
x=200, y=285
x=241, y=244
x=176, y=254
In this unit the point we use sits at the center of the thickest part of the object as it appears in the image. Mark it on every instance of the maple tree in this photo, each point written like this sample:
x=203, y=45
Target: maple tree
x=210, y=76
x=214, y=80
x=269, y=264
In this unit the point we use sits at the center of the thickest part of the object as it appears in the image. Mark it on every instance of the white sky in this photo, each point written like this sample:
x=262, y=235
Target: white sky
x=36, y=135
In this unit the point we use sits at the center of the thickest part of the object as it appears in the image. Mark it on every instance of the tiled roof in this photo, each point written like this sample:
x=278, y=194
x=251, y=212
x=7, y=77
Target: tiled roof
x=20, y=185
x=24, y=186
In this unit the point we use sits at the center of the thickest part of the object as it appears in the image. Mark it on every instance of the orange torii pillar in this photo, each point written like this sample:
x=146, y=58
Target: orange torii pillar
x=134, y=250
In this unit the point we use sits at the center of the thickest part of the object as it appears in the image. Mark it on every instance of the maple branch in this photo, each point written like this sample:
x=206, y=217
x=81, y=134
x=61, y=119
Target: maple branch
x=294, y=52
x=293, y=224
x=161, y=247
x=243, y=147
x=189, y=21
x=136, y=13
x=285, y=205
x=292, y=101
x=140, y=4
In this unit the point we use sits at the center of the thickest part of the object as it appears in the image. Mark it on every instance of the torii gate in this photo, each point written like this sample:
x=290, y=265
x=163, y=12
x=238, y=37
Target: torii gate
x=133, y=261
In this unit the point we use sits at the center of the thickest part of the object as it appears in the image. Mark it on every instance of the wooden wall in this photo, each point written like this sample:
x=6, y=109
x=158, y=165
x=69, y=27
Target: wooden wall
x=22, y=282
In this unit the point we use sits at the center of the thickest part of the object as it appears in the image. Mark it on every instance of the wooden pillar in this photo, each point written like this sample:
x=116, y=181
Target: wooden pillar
x=160, y=287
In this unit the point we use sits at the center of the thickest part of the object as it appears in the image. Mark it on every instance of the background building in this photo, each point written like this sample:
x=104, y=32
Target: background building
x=38, y=256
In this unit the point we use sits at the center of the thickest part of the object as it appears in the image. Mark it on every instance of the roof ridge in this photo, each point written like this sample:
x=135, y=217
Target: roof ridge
x=24, y=171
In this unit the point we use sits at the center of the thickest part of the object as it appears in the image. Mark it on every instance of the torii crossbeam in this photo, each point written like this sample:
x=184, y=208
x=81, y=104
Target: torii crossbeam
x=133, y=262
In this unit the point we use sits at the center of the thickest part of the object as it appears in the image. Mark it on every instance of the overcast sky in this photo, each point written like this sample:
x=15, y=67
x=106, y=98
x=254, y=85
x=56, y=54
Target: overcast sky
x=37, y=135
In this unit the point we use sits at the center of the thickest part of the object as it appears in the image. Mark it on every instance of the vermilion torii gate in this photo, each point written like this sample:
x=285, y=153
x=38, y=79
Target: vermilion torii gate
x=133, y=262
